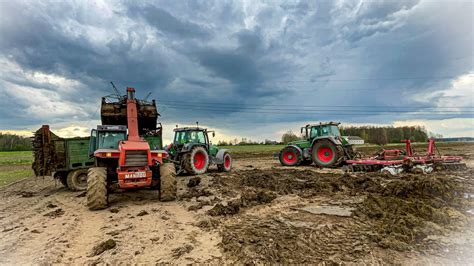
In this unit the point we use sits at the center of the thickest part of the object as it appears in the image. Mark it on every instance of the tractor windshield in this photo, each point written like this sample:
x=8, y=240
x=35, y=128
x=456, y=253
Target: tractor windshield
x=110, y=139
x=327, y=130
x=183, y=137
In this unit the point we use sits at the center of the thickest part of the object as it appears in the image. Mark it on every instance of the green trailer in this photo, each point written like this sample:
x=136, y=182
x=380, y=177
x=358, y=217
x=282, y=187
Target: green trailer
x=73, y=161
x=67, y=159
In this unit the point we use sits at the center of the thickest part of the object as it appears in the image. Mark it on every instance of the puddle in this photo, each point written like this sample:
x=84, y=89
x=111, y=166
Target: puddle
x=329, y=210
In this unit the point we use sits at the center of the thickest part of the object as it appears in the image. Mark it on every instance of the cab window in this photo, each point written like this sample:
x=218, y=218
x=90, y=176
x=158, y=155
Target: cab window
x=110, y=139
x=198, y=137
x=324, y=131
x=335, y=131
x=314, y=132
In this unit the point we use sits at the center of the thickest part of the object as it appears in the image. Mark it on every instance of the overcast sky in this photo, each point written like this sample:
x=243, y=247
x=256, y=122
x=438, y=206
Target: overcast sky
x=249, y=69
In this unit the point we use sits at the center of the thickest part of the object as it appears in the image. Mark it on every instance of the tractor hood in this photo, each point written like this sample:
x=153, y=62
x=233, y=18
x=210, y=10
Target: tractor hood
x=300, y=143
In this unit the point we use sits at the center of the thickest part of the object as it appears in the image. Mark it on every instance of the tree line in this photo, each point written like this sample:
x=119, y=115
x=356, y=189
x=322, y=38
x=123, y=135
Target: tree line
x=9, y=142
x=388, y=134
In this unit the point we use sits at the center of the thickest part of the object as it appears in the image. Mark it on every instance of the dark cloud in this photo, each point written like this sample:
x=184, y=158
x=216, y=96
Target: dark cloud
x=236, y=61
x=165, y=22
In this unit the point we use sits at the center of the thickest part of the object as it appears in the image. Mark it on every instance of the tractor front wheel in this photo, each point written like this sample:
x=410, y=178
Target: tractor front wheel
x=167, y=182
x=97, y=188
x=196, y=161
x=290, y=156
x=327, y=154
x=227, y=164
x=77, y=180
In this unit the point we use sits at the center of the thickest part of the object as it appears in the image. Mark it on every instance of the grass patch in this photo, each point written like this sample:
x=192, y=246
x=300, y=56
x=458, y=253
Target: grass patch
x=16, y=158
x=8, y=176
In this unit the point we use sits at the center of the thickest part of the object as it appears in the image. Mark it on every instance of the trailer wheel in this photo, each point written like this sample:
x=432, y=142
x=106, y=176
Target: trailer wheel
x=97, y=188
x=167, y=182
x=290, y=156
x=77, y=180
x=227, y=165
x=327, y=154
x=196, y=162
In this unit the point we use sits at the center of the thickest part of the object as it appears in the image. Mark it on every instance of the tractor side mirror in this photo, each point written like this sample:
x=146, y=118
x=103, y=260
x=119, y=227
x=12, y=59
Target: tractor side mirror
x=213, y=134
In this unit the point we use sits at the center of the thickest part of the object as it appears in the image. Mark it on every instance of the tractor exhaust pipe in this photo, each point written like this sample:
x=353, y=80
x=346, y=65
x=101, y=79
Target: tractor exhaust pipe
x=131, y=93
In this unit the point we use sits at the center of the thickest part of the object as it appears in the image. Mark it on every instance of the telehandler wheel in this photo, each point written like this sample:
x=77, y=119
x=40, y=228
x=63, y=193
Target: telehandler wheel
x=327, y=154
x=77, y=180
x=196, y=161
x=167, y=182
x=227, y=165
x=290, y=156
x=97, y=188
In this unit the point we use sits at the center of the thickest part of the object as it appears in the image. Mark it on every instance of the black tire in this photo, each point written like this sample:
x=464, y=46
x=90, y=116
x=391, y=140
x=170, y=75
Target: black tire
x=62, y=177
x=327, y=154
x=227, y=165
x=97, y=188
x=290, y=156
x=167, y=182
x=77, y=180
x=196, y=161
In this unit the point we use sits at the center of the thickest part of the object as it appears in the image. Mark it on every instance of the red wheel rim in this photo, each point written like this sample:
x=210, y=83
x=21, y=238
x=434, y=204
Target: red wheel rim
x=199, y=160
x=227, y=162
x=325, y=154
x=289, y=157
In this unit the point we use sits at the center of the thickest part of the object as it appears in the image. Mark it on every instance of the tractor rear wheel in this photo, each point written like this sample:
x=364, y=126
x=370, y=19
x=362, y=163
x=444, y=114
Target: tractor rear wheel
x=327, y=154
x=227, y=165
x=167, y=182
x=77, y=180
x=196, y=161
x=290, y=156
x=97, y=188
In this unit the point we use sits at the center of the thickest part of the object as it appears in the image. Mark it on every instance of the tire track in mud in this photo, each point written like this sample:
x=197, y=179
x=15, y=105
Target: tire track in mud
x=33, y=217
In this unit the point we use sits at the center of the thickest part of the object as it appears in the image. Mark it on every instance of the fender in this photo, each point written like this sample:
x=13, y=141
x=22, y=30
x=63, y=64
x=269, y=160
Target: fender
x=330, y=138
x=220, y=156
x=189, y=146
x=300, y=151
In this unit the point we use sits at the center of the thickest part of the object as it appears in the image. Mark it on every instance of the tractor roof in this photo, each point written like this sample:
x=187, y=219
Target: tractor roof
x=189, y=129
x=324, y=124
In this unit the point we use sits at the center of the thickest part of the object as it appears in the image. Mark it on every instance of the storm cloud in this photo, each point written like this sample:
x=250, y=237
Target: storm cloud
x=241, y=66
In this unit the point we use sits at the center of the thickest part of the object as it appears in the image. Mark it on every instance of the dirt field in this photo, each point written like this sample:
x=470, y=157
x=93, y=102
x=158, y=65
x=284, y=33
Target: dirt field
x=259, y=213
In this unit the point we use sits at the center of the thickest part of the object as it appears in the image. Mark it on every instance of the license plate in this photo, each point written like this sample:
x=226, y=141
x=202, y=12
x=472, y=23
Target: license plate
x=136, y=175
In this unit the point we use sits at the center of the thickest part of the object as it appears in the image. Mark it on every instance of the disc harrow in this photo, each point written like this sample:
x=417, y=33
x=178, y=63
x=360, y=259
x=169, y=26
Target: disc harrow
x=394, y=162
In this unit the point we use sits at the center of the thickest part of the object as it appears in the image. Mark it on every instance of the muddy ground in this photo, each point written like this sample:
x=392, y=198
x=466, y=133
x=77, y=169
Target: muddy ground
x=259, y=213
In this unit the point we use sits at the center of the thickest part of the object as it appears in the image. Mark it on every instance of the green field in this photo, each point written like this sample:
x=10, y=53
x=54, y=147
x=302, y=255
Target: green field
x=15, y=165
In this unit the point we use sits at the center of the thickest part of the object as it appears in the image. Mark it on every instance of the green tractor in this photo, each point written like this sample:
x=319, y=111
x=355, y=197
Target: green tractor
x=323, y=145
x=192, y=152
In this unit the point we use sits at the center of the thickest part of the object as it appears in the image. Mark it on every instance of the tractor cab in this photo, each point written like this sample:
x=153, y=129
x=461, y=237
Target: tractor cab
x=106, y=138
x=321, y=130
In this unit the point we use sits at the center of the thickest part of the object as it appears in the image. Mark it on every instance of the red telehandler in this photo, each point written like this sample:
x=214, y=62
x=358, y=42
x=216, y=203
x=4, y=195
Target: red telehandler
x=126, y=161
